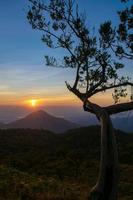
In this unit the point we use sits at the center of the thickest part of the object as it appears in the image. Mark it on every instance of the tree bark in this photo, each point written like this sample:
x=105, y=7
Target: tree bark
x=106, y=186
x=117, y=108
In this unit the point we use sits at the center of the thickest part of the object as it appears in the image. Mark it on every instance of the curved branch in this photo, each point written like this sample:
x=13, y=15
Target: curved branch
x=117, y=108
x=82, y=96
x=91, y=107
x=113, y=86
x=79, y=94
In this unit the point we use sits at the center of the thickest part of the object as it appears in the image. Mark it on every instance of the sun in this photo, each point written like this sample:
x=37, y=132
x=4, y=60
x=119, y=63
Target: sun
x=33, y=102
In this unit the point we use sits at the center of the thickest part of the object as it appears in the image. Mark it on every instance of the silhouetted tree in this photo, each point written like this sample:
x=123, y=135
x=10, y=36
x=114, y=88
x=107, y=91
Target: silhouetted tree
x=97, y=60
x=119, y=39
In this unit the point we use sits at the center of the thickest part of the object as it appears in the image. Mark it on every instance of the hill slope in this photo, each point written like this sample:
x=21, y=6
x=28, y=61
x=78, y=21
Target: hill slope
x=42, y=160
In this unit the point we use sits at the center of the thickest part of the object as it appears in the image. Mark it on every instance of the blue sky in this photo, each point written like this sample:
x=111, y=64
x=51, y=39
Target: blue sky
x=23, y=73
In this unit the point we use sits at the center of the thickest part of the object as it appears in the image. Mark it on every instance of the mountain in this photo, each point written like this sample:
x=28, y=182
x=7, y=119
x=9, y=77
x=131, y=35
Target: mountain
x=42, y=120
x=124, y=122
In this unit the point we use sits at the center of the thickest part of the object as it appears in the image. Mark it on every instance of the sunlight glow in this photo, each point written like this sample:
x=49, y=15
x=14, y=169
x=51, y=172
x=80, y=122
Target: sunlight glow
x=33, y=102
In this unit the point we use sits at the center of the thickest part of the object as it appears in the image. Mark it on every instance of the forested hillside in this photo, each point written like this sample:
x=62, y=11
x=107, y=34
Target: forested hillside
x=39, y=165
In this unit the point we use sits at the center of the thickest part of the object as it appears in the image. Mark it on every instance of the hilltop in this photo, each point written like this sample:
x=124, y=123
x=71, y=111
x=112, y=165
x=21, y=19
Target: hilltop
x=42, y=120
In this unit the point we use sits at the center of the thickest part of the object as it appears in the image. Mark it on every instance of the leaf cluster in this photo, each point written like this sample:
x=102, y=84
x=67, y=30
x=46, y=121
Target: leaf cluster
x=63, y=26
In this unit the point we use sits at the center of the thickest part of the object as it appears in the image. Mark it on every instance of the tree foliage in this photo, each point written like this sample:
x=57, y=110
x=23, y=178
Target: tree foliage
x=120, y=38
x=97, y=69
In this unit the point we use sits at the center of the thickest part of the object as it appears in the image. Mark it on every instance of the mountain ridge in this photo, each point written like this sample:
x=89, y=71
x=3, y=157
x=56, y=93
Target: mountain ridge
x=42, y=120
x=122, y=122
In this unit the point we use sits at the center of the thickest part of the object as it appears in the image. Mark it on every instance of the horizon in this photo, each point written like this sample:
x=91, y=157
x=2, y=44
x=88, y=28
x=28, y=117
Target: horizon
x=28, y=118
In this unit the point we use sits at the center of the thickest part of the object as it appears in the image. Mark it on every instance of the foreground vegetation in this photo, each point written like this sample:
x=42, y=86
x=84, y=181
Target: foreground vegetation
x=40, y=165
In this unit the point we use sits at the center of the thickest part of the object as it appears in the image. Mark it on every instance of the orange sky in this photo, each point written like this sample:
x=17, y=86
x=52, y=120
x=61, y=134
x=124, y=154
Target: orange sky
x=62, y=96
x=63, y=100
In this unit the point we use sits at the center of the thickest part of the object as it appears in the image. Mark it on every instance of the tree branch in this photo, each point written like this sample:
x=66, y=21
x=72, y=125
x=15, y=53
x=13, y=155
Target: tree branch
x=87, y=105
x=80, y=95
x=113, y=86
x=117, y=108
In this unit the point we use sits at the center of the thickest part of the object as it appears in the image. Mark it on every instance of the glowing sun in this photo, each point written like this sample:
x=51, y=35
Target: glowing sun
x=33, y=102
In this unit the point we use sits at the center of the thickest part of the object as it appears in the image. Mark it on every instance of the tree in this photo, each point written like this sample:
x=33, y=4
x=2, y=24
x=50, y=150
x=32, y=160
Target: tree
x=97, y=70
x=119, y=39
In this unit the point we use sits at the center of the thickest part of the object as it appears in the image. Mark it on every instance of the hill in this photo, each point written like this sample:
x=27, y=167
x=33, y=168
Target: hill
x=42, y=120
x=2, y=125
x=36, y=163
x=40, y=164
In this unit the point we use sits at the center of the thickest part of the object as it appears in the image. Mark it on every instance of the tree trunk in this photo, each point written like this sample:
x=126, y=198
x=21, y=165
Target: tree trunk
x=106, y=186
x=107, y=183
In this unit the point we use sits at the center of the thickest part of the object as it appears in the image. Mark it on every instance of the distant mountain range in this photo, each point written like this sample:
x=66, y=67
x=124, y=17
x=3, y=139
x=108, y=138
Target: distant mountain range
x=41, y=120
x=124, y=123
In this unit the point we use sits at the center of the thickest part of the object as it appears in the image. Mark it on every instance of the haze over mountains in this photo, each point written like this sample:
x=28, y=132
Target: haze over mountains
x=42, y=120
x=66, y=118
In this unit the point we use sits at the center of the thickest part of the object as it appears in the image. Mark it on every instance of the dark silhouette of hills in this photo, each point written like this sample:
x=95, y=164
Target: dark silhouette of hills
x=39, y=160
x=124, y=123
x=2, y=124
x=42, y=120
x=84, y=142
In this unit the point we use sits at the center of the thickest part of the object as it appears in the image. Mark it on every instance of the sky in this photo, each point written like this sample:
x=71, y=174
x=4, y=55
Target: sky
x=23, y=74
